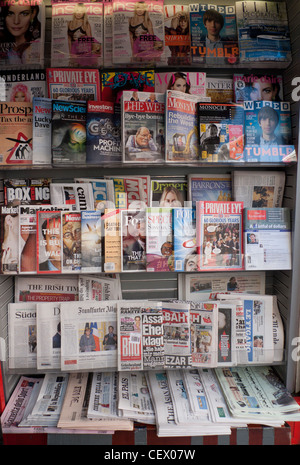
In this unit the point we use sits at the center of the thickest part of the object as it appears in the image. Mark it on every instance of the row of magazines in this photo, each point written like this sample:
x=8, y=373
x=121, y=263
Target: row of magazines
x=228, y=329
x=119, y=32
x=139, y=223
x=194, y=402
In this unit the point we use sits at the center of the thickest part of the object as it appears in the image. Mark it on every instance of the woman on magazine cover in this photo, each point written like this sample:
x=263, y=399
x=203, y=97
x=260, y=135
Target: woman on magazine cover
x=141, y=25
x=21, y=28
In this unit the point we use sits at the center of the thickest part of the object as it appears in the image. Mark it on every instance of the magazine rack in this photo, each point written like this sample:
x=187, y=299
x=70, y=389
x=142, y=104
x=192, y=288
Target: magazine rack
x=283, y=284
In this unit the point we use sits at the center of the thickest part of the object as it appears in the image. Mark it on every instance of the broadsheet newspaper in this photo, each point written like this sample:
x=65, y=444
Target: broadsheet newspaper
x=48, y=336
x=88, y=338
x=201, y=287
x=134, y=399
x=99, y=287
x=45, y=289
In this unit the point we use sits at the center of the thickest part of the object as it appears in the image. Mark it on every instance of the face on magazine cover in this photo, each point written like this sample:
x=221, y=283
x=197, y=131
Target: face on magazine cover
x=261, y=89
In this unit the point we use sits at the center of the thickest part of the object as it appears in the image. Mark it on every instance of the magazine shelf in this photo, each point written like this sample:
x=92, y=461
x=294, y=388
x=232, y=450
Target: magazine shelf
x=284, y=284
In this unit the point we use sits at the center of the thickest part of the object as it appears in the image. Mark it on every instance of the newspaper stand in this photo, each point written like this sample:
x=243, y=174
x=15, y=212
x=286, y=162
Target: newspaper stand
x=284, y=285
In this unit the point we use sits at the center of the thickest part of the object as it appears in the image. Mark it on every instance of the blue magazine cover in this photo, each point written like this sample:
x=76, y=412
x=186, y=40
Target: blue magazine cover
x=268, y=133
x=212, y=187
x=184, y=230
x=214, y=39
x=91, y=241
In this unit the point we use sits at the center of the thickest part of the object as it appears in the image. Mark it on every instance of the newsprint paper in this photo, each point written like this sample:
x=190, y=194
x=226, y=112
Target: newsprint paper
x=48, y=336
x=88, y=335
x=134, y=399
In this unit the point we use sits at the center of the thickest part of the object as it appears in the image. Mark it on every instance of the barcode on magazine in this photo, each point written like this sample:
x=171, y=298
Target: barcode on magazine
x=109, y=266
x=178, y=265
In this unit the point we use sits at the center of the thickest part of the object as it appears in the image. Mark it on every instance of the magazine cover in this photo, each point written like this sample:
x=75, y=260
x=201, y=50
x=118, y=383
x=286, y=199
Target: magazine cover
x=48, y=242
x=159, y=246
x=143, y=118
x=9, y=239
x=77, y=195
x=177, y=35
x=268, y=133
x=214, y=38
x=103, y=192
x=28, y=235
x=26, y=191
x=263, y=32
x=138, y=31
x=68, y=132
x=221, y=131
x=46, y=288
x=41, y=130
x=219, y=233
x=266, y=230
x=113, y=83
x=73, y=84
x=91, y=241
x=188, y=82
x=77, y=34
x=71, y=241
x=22, y=86
x=168, y=192
x=181, y=125
x=220, y=90
x=209, y=187
x=103, y=133
x=16, y=133
x=133, y=240
x=256, y=86
x=131, y=191
x=184, y=237
x=25, y=46
x=112, y=241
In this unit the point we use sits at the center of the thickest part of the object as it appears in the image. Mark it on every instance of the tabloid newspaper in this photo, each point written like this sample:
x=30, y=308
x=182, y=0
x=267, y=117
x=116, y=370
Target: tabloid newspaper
x=134, y=399
x=204, y=327
x=45, y=289
x=188, y=82
x=113, y=83
x=258, y=189
x=267, y=230
x=103, y=133
x=253, y=325
x=257, y=86
x=9, y=239
x=209, y=187
x=73, y=84
x=25, y=191
x=177, y=35
x=221, y=131
x=99, y=288
x=138, y=32
x=48, y=242
x=16, y=133
x=159, y=242
x=256, y=392
x=22, y=86
x=103, y=191
x=48, y=327
x=41, y=131
x=201, y=287
x=140, y=335
x=219, y=233
x=143, y=116
x=112, y=241
x=220, y=90
x=181, y=126
x=18, y=403
x=30, y=50
x=133, y=240
x=268, y=133
x=177, y=343
x=131, y=191
x=22, y=335
x=71, y=241
x=68, y=132
x=91, y=241
x=27, y=234
x=263, y=32
x=77, y=34
x=214, y=38
x=79, y=196
x=168, y=192
x=88, y=335
x=184, y=239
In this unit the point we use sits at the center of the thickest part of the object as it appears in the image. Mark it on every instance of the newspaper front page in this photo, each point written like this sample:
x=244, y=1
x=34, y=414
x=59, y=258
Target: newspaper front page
x=176, y=321
x=204, y=327
x=134, y=398
x=48, y=336
x=99, y=288
x=88, y=335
